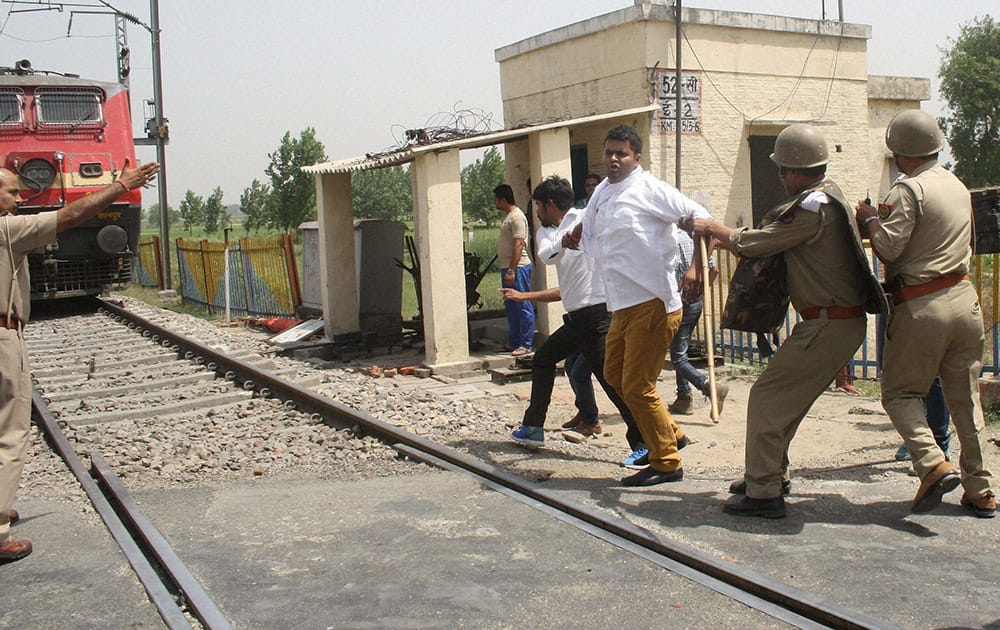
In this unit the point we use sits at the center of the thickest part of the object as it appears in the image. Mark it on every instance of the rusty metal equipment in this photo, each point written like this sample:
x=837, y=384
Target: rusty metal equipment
x=475, y=271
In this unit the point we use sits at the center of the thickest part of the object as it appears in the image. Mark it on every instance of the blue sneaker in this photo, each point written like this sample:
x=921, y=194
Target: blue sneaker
x=903, y=453
x=530, y=436
x=638, y=460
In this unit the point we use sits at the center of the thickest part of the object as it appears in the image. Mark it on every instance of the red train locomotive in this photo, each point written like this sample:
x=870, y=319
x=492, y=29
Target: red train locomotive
x=66, y=137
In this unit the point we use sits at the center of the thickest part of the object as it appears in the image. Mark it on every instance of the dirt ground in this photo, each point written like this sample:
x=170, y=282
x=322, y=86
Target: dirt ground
x=844, y=436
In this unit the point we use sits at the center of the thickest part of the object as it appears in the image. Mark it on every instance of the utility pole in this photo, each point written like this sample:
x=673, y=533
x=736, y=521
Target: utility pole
x=162, y=137
x=157, y=132
x=677, y=96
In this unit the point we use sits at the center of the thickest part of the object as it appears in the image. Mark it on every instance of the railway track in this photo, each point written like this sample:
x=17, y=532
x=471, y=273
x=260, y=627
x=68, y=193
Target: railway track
x=100, y=385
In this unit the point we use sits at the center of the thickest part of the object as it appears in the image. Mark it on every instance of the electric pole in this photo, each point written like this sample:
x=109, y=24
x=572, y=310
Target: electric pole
x=162, y=137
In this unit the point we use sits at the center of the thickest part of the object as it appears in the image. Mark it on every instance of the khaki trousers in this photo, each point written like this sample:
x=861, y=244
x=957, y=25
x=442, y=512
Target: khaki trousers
x=635, y=350
x=801, y=369
x=938, y=334
x=15, y=420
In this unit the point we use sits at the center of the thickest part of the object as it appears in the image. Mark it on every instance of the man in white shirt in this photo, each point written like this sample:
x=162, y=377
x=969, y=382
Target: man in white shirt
x=586, y=320
x=628, y=228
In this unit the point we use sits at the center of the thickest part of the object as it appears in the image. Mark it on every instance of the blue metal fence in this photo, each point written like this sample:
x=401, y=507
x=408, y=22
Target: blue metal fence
x=263, y=276
x=741, y=346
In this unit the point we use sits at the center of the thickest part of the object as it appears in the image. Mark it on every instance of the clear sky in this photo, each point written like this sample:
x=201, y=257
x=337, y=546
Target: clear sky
x=237, y=74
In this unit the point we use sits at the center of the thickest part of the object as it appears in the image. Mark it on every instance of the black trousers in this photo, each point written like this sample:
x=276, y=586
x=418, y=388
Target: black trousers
x=584, y=331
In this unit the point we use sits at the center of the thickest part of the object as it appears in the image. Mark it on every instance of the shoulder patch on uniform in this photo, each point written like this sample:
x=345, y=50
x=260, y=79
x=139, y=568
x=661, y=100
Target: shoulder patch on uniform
x=787, y=218
x=884, y=210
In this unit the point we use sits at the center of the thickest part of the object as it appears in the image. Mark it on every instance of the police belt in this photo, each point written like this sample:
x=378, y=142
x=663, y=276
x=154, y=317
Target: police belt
x=586, y=312
x=833, y=312
x=12, y=323
x=919, y=290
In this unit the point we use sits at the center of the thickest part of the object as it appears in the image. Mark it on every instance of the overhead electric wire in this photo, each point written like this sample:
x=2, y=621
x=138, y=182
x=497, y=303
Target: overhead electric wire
x=6, y=19
x=787, y=98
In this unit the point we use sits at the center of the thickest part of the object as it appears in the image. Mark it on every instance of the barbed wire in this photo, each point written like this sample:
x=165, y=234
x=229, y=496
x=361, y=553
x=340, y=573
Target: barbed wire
x=441, y=127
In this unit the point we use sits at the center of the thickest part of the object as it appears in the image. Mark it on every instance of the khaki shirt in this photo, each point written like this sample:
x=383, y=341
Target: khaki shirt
x=19, y=234
x=515, y=225
x=822, y=267
x=925, y=226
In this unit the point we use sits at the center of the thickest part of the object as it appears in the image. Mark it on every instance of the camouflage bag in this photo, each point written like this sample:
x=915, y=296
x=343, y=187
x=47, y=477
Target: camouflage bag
x=758, y=291
x=758, y=295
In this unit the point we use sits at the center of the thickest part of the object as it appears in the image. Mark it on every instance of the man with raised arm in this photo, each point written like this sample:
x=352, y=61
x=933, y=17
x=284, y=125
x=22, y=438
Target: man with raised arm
x=20, y=234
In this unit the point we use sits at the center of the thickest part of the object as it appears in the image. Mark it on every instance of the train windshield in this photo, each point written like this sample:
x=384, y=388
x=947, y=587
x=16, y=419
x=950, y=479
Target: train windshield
x=69, y=107
x=10, y=106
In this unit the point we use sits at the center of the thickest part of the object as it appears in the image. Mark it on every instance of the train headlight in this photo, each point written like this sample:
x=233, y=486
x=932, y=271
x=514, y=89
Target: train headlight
x=38, y=173
x=112, y=239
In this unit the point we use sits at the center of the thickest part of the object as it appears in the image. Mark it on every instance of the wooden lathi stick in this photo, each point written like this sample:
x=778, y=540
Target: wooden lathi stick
x=710, y=321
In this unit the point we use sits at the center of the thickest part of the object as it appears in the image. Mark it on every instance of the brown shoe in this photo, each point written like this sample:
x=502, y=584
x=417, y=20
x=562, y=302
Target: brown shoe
x=14, y=550
x=682, y=406
x=940, y=481
x=14, y=517
x=983, y=506
x=590, y=430
x=573, y=423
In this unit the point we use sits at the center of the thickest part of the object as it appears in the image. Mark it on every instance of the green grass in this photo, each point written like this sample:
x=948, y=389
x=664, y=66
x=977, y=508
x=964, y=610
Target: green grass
x=198, y=232
x=742, y=367
x=151, y=295
x=870, y=388
x=992, y=414
x=484, y=245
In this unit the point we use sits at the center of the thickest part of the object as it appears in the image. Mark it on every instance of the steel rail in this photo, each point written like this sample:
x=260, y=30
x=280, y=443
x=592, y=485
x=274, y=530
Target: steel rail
x=154, y=543
x=800, y=602
x=161, y=598
x=608, y=534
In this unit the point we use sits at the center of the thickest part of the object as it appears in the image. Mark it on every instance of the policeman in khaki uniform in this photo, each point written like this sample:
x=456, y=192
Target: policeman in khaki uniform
x=18, y=236
x=923, y=232
x=830, y=284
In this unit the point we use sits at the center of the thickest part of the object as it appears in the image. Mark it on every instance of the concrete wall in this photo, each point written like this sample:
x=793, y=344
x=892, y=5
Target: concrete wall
x=757, y=75
x=756, y=82
x=887, y=96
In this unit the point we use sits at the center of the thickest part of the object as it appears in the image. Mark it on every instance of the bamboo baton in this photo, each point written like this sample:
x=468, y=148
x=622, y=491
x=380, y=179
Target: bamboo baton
x=710, y=321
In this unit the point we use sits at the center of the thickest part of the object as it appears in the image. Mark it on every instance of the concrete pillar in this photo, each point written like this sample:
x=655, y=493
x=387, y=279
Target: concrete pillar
x=549, y=155
x=437, y=223
x=518, y=162
x=338, y=274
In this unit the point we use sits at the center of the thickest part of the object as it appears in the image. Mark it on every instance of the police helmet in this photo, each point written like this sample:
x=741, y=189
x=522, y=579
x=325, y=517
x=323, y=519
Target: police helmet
x=800, y=146
x=914, y=133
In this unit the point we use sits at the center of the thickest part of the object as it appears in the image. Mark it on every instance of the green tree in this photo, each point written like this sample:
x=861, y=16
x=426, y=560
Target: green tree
x=253, y=205
x=293, y=192
x=153, y=216
x=478, y=181
x=970, y=83
x=216, y=216
x=382, y=193
x=192, y=210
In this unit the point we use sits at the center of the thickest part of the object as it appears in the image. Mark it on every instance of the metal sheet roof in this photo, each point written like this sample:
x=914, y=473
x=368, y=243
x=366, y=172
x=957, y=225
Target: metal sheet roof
x=408, y=154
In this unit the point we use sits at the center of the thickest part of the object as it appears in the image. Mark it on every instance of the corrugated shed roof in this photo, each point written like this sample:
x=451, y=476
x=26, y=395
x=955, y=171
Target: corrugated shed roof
x=408, y=154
